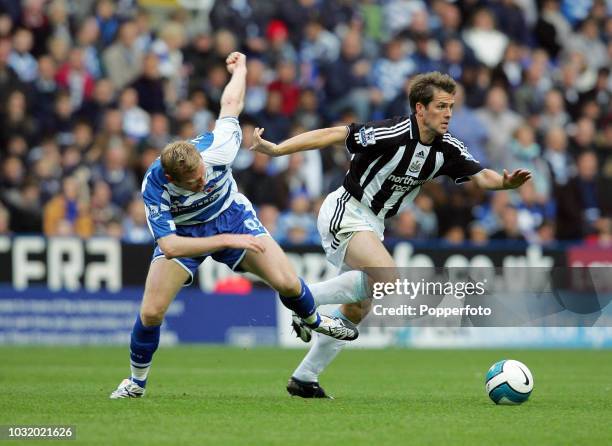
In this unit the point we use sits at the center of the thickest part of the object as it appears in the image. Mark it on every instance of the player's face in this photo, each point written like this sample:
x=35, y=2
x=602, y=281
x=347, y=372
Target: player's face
x=193, y=181
x=438, y=112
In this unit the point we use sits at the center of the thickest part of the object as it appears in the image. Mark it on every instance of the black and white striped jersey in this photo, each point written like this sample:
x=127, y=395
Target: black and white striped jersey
x=389, y=163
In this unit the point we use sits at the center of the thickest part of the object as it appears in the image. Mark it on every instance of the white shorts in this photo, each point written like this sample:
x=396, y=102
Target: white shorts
x=340, y=217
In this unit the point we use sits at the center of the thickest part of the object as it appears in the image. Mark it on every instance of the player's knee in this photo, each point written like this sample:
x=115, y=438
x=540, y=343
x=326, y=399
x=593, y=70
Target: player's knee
x=287, y=284
x=152, y=314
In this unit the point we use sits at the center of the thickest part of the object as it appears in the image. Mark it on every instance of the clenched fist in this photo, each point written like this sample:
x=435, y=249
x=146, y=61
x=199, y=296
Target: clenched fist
x=235, y=60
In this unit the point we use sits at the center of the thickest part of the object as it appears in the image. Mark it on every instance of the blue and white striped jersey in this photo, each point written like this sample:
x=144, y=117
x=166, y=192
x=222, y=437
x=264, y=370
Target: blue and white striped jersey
x=168, y=205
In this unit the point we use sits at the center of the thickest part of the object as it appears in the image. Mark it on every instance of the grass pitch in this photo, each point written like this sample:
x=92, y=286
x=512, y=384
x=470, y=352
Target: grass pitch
x=216, y=395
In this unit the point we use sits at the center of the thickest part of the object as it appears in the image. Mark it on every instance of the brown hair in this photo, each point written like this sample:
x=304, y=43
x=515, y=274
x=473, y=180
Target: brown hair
x=179, y=158
x=423, y=86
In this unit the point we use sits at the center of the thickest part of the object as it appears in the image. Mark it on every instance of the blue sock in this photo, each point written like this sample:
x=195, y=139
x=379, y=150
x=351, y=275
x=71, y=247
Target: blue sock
x=144, y=342
x=303, y=305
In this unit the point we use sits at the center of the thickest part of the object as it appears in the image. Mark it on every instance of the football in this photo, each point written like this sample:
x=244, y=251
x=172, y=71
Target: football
x=509, y=382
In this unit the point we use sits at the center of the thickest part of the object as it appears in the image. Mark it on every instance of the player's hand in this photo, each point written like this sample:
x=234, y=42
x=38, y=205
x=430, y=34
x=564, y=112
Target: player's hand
x=262, y=145
x=516, y=178
x=235, y=60
x=245, y=241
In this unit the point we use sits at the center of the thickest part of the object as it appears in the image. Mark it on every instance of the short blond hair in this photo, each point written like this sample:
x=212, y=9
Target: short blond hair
x=180, y=158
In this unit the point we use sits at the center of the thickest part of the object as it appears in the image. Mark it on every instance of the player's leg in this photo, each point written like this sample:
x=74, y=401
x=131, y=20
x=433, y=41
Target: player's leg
x=364, y=252
x=274, y=268
x=164, y=280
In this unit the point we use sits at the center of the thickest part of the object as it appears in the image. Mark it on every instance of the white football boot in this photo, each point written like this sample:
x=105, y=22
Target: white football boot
x=127, y=389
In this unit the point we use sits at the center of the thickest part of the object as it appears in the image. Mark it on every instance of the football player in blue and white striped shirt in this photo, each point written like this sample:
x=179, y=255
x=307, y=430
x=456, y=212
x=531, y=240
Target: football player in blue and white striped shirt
x=194, y=210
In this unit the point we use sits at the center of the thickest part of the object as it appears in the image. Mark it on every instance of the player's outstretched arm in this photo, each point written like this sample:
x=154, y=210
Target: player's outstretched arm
x=232, y=99
x=315, y=139
x=177, y=246
x=491, y=180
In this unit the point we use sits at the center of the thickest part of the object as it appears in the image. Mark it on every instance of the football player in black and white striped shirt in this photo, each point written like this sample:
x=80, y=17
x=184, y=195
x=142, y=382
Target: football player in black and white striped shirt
x=390, y=161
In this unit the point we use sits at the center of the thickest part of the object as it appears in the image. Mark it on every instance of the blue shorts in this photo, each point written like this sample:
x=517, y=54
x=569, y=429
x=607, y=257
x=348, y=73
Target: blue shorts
x=236, y=219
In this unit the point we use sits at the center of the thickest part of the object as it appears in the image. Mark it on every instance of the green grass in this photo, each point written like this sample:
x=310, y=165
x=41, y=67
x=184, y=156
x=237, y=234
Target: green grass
x=215, y=395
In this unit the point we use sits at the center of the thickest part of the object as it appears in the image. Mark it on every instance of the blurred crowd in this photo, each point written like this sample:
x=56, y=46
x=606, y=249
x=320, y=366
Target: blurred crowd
x=91, y=90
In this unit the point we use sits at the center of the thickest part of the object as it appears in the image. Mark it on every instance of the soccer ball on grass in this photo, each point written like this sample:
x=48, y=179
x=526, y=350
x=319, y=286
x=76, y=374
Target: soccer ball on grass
x=509, y=382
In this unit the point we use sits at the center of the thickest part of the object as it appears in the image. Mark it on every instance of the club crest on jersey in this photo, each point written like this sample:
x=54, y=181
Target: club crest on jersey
x=418, y=160
x=415, y=166
x=367, y=136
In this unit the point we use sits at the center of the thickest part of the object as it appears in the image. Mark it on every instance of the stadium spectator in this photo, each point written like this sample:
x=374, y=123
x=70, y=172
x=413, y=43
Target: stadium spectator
x=552, y=29
x=87, y=39
x=488, y=214
x=477, y=234
x=583, y=200
x=454, y=57
x=272, y=117
x=484, y=39
x=108, y=22
x=582, y=137
x=59, y=20
x=556, y=155
x=286, y=84
x=533, y=211
x=404, y=226
x=297, y=226
x=114, y=170
x=554, y=114
x=167, y=48
x=318, y=47
x=268, y=215
x=21, y=59
x=510, y=230
x=16, y=120
x=203, y=119
x=68, y=212
x=135, y=228
x=588, y=43
x=136, y=121
x=150, y=86
x=160, y=134
x=123, y=59
x=426, y=218
x=308, y=114
x=94, y=108
x=103, y=210
x=279, y=47
x=346, y=79
x=467, y=126
x=73, y=77
x=389, y=71
x=455, y=235
x=256, y=181
x=500, y=122
x=257, y=92
x=524, y=152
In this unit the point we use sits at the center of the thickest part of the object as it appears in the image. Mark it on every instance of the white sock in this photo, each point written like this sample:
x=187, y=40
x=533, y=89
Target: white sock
x=349, y=287
x=140, y=373
x=321, y=354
